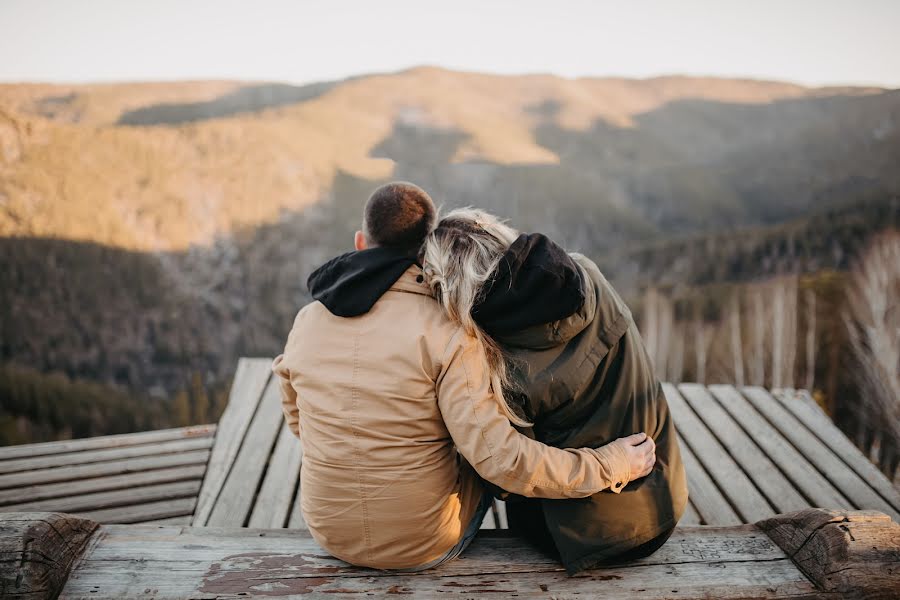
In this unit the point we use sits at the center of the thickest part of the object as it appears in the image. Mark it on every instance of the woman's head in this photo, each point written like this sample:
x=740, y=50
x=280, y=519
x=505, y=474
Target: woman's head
x=459, y=258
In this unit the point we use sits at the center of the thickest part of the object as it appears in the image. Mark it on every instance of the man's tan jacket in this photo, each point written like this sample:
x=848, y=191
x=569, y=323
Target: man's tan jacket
x=382, y=403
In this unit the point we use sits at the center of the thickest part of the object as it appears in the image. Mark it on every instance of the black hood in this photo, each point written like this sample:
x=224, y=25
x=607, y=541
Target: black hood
x=536, y=282
x=352, y=283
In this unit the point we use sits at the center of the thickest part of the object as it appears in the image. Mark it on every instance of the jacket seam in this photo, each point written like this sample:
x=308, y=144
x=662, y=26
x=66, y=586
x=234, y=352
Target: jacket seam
x=354, y=400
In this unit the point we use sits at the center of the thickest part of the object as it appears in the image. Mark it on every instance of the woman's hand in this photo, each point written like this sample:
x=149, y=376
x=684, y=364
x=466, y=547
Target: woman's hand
x=641, y=452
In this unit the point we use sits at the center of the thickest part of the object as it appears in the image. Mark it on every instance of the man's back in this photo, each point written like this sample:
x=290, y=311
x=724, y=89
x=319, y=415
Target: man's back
x=381, y=483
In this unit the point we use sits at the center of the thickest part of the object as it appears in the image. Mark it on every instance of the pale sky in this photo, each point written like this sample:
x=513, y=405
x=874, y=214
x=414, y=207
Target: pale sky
x=815, y=42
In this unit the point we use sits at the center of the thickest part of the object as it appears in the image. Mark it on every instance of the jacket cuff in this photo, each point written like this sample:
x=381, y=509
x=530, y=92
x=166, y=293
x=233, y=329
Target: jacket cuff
x=614, y=459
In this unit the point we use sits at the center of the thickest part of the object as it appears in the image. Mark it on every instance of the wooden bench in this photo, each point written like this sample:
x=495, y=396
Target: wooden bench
x=808, y=554
x=148, y=477
x=749, y=454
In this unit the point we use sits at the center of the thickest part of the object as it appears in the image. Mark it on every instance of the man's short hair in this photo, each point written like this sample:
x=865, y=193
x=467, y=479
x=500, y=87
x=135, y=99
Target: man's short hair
x=398, y=215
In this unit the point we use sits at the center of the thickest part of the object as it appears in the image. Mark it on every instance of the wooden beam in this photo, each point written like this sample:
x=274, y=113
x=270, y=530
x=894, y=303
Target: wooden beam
x=37, y=551
x=62, y=490
x=235, y=501
x=115, y=467
x=851, y=554
x=812, y=554
x=19, y=465
x=106, y=441
x=243, y=399
x=99, y=500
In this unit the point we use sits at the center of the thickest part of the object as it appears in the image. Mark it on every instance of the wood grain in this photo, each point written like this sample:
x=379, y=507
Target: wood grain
x=712, y=506
x=852, y=554
x=116, y=467
x=742, y=494
x=823, y=458
x=243, y=399
x=798, y=469
x=106, y=441
x=779, y=491
x=232, y=507
x=77, y=487
x=273, y=503
x=37, y=551
x=802, y=406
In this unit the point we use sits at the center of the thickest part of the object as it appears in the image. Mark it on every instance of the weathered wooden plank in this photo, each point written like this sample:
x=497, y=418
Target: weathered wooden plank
x=690, y=516
x=243, y=399
x=95, y=501
x=273, y=503
x=804, y=476
x=139, y=513
x=106, y=441
x=115, y=467
x=833, y=468
x=99, y=484
x=492, y=552
x=709, y=562
x=841, y=551
x=103, y=455
x=724, y=580
x=235, y=501
x=765, y=475
x=37, y=551
x=742, y=494
x=802, y=406
x=714, y=509
x=185, y=520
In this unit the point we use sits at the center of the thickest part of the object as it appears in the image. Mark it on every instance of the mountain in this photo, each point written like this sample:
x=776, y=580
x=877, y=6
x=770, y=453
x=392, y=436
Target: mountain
x=150, y=233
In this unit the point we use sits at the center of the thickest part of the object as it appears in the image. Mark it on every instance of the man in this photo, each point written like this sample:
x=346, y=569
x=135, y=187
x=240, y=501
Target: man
x=384, y=390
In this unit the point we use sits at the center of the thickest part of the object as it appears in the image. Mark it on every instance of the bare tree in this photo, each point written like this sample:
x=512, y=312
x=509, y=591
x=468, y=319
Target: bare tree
x=872, y=318
x=676, y=358
x=810, y=303
x=737, y=353
x=778, y=337
x=650, y=323
x=757, y=356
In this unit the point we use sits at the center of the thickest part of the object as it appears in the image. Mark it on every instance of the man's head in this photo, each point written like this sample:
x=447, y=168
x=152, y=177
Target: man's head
x=397, y=215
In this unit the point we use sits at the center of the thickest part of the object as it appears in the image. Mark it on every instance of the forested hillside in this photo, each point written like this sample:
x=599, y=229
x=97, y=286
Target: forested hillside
x=152, y=233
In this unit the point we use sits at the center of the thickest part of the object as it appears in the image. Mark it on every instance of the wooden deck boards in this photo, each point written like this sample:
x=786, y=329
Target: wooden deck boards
x=749, y=455
x=813, y=554
x=128, y=478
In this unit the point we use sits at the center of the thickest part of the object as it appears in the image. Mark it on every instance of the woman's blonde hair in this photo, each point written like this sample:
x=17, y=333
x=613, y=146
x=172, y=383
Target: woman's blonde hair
x=459, y=258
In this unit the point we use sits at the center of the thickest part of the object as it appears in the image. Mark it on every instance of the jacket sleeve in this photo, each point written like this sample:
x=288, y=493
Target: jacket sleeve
x=288, y=395
x=502, y=455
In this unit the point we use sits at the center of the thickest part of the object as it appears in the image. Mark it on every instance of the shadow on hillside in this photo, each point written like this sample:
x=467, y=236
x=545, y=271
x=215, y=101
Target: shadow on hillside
x=247, y=99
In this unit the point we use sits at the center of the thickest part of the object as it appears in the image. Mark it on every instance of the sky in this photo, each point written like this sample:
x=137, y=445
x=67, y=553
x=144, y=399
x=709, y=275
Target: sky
x=814, y=42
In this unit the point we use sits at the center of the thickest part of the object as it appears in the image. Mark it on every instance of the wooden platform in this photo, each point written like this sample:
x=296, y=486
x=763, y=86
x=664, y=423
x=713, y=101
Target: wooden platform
x=150, y=477
x=810, y=554
x=749, y=454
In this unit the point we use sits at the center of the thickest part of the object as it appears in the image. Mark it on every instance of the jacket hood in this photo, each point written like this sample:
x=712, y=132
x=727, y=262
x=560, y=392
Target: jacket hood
x=350, y=284
x=537, y=296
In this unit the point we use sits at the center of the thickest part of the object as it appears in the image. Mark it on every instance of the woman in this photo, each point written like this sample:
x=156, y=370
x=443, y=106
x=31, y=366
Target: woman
x=565, y=350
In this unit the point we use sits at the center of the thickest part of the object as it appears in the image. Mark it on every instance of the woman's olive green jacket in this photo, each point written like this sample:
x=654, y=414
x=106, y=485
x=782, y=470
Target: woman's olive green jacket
x=586, y=380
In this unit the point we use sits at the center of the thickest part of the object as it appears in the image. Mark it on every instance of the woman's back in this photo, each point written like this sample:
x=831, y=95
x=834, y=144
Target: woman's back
x=585, y=380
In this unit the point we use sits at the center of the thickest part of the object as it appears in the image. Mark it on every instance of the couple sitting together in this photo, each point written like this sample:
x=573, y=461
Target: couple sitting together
x=444, y=363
